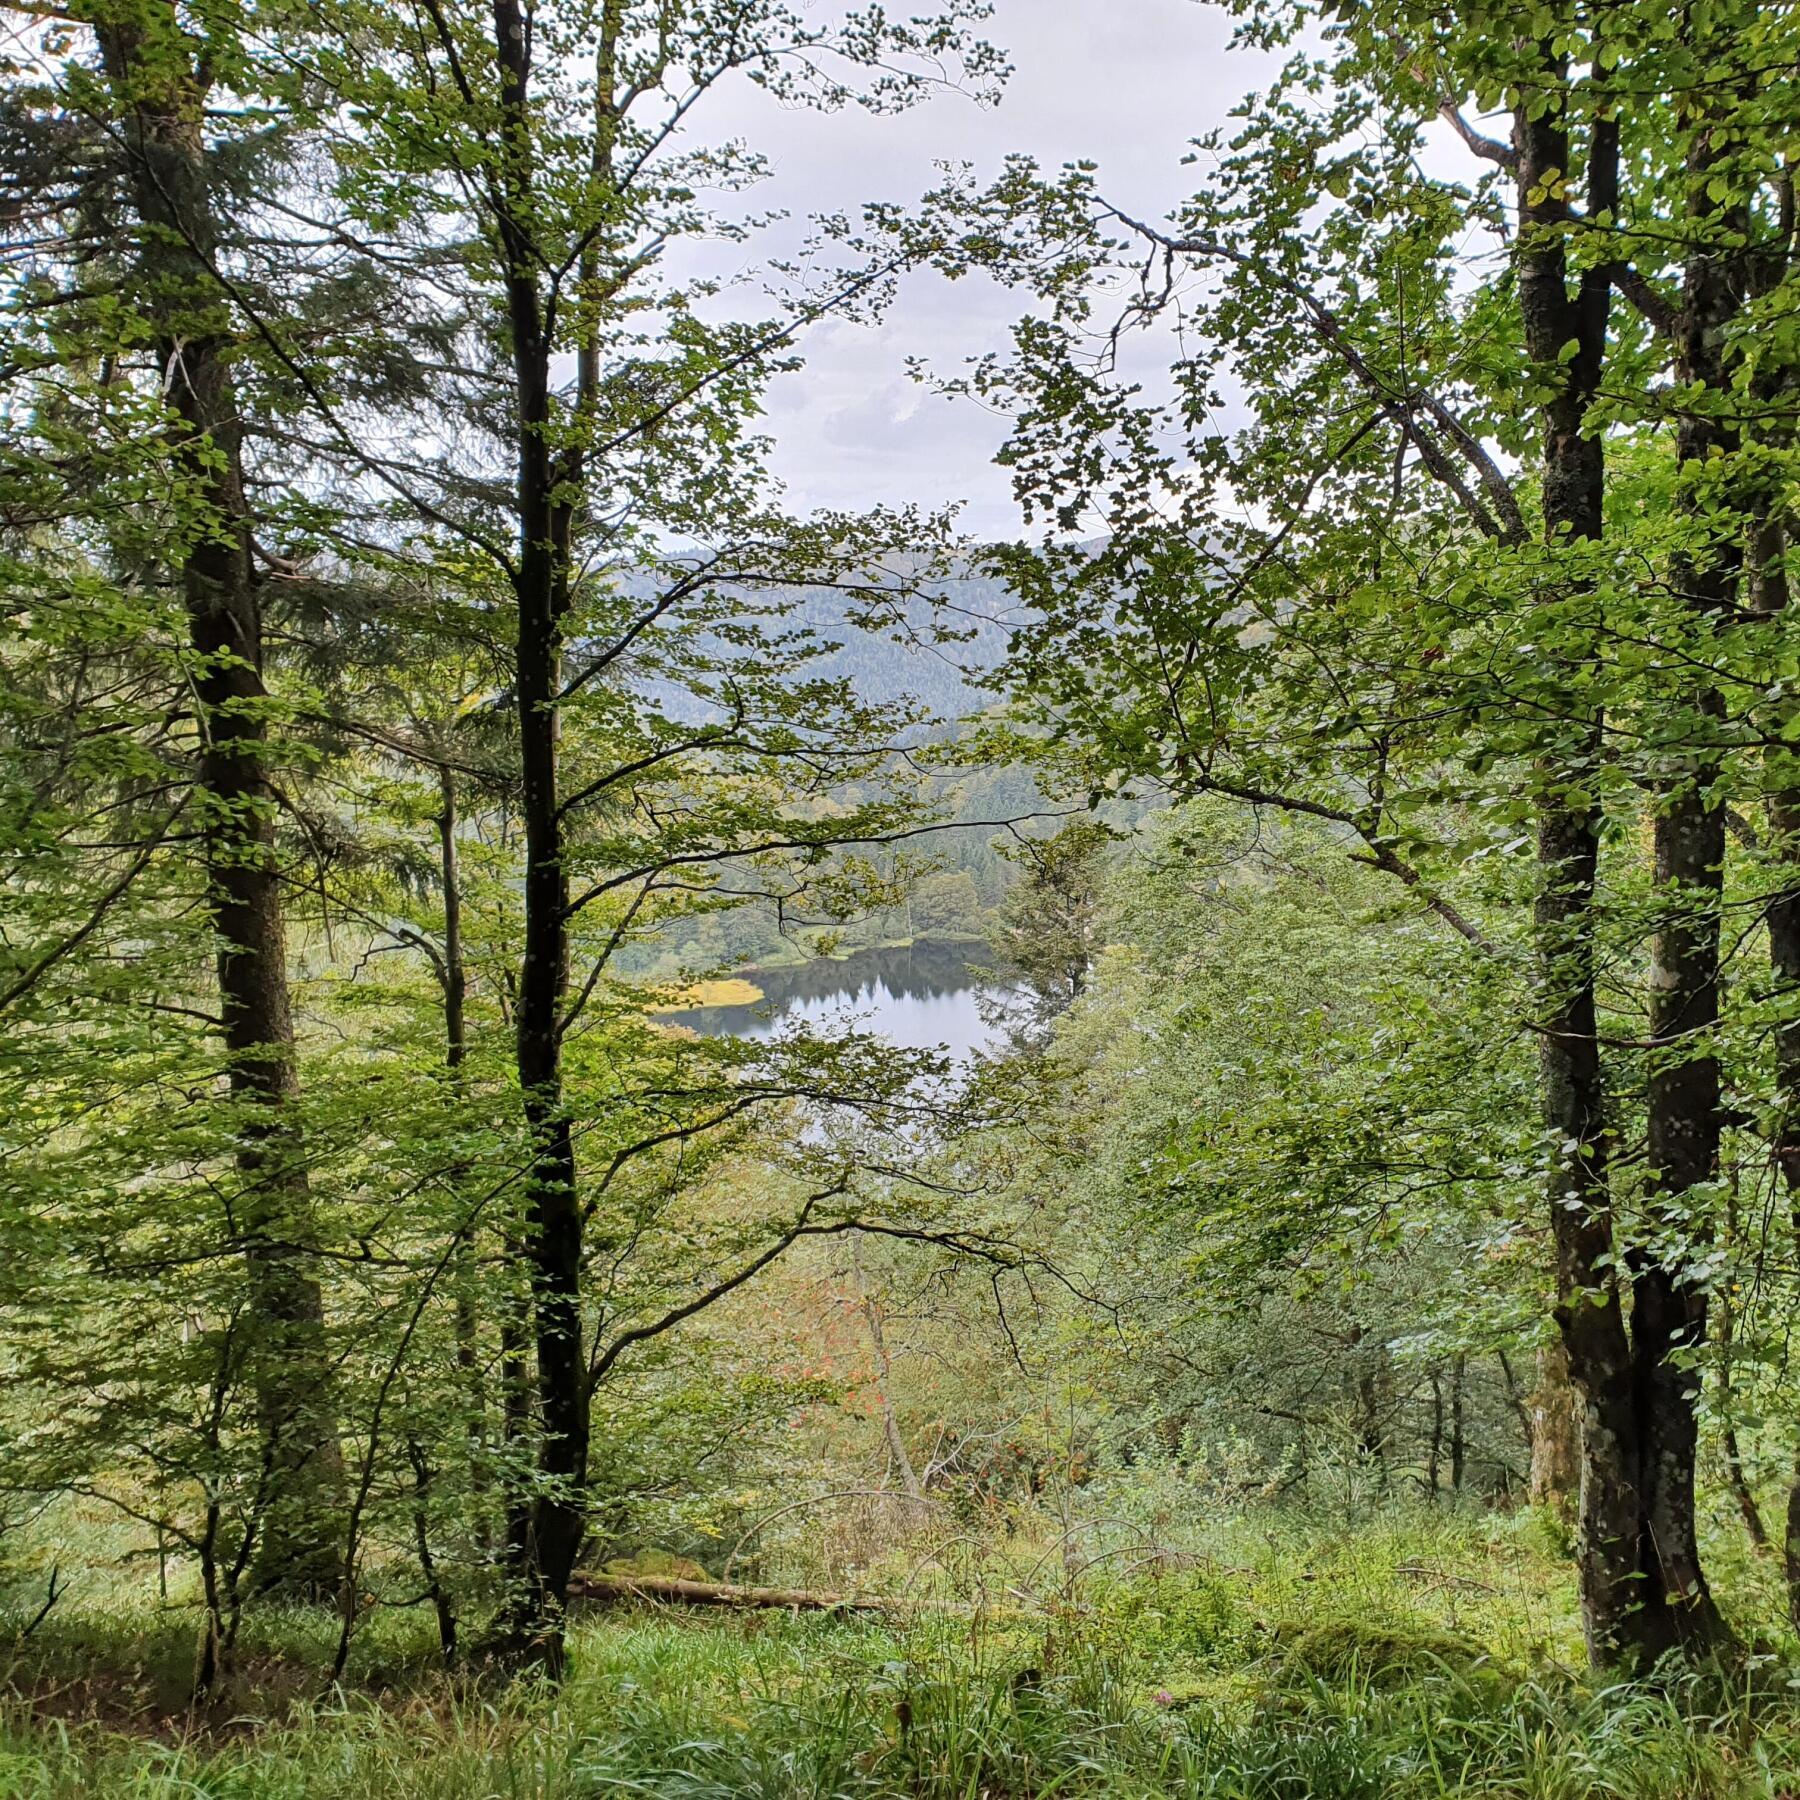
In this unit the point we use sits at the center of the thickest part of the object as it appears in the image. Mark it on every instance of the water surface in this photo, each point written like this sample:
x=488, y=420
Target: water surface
x=920, y=997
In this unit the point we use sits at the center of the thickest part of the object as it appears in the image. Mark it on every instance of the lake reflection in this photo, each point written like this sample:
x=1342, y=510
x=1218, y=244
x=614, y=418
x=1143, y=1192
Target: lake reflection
x=919, y=997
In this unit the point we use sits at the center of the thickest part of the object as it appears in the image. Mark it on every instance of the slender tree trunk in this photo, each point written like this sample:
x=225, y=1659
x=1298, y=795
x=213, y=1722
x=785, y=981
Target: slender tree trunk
x=441, y=1604
x=1770, y=594
x=1434, y=1454
x=1459, y=1449
x=1373, y=1387
x=148, y=60
x=456, y=979
x=207, y=1668
x=545, y=1559
x=456, y=986
x=1735, y=1477
x=898, y=1456
x=1555, y=1433
x=516, y=1410
x=1783, y=920
x=1771, y=538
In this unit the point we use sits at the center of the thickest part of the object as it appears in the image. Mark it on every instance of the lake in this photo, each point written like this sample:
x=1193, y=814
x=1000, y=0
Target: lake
x=919, y=997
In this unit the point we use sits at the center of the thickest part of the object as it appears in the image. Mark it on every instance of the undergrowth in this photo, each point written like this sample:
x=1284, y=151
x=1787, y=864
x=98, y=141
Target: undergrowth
x=1277, y=1664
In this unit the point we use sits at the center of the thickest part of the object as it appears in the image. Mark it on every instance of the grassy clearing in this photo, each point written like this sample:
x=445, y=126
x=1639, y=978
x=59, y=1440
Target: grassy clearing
x=728, y=990
x=1412, y=1658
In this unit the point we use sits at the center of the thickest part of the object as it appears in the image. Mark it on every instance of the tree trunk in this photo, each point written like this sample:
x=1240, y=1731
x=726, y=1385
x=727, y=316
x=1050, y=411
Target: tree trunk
x=898, y=1456
x=671, y=1589
x=454, y=975
x=1735, y=1477
x=456, y=979
x=148, y=60
x=435, y=1590
x=1769, y=595
x=1783, y=919
x=1459, y=1449
x=1555, y=1433
x=516, y=1413
x=1771, y=537
x=1642, y=1590
x=551, y=1541
x=1669, y=1311
x=1372, y=1391
x=1434, y=1453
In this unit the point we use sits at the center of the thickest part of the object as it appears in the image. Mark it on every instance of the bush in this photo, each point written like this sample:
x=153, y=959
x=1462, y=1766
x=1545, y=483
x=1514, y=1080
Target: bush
x=1167, y=1618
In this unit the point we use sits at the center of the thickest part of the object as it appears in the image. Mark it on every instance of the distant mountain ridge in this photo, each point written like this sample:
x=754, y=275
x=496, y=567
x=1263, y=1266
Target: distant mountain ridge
x=935, y=653
x=908, y=662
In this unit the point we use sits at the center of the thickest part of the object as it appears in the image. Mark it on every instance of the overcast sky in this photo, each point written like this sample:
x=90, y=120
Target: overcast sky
x=1125, y=83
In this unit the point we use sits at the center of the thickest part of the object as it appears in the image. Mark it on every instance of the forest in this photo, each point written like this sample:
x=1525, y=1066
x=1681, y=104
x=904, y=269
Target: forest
x=1104, y=1101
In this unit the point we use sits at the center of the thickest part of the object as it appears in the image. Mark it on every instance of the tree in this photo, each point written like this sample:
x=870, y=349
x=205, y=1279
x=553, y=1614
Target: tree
x=563, y=184
x=144, y=118
x=1415, y=628
x=1048, y=931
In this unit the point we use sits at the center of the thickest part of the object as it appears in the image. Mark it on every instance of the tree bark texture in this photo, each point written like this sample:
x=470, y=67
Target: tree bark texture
x=546, y=1539
x=150, y=64
x=1642, y=1588
x=1555, y=1433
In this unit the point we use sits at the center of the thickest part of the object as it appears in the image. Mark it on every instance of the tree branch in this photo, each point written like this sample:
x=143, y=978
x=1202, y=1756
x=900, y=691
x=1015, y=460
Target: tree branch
x=1656, y=309
x=1487, y=148
x=51, y=957
x=1500, y=516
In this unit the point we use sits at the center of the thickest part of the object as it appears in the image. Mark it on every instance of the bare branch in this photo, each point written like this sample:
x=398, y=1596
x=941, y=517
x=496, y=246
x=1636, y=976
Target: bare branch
x=1379, y=855
x=1487, y=148
x=1655, y=307
x=51, y=957
x=1500, y=515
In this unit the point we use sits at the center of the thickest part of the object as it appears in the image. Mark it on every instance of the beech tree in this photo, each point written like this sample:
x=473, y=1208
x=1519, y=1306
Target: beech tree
x=601, y=563
x=1471, y=579
x=554, y=149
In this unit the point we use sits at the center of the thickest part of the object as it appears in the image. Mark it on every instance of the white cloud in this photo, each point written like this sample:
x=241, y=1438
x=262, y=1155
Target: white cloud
x=1125, y=83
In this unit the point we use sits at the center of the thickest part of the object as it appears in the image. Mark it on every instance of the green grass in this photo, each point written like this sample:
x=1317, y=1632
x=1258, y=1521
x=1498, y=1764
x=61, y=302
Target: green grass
x=787, y=1709
x=1399, y=1659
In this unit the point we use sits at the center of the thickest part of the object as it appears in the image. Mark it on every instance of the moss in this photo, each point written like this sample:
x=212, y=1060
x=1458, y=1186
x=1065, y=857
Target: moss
x=657, y=1562
x=1382, y=1651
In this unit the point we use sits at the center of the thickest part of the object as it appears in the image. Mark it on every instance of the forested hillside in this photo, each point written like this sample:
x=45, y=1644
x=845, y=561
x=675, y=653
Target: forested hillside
x=1321, y=1320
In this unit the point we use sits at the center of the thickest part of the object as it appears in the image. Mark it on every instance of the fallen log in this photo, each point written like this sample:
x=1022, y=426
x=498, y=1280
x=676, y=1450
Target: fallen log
x=584, y=1585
